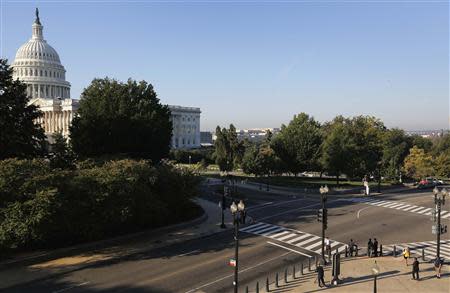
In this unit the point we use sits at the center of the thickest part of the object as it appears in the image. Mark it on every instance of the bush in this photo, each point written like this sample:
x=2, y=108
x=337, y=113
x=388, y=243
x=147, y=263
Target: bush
x=41, y=208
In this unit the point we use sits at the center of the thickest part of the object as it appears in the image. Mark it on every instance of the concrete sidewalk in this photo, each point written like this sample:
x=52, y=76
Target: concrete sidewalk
x=14, y=272
x=356, y=276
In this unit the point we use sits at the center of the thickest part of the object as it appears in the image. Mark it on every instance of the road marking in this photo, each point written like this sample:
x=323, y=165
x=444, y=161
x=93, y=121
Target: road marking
x=357, y=214
x=287, y=237
x=314, y=238
x=278, y=234
x=290, y=249
x=241, y=271
x=292, y=210
x=190, y=252
x=71, y=287
x=297, y=239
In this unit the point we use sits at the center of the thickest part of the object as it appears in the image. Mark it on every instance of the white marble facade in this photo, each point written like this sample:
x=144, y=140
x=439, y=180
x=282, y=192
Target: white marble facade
x=186, y=127
x=38, y=65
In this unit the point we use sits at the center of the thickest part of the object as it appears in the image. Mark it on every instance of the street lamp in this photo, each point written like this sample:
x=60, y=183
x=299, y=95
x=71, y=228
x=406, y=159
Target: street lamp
x=236, y=210
x=323, y=198
x=375, y=272
x=439, y=200
x=190, y=160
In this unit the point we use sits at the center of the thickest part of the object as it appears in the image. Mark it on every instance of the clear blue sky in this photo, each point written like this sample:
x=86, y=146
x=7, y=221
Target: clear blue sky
x=257, y=64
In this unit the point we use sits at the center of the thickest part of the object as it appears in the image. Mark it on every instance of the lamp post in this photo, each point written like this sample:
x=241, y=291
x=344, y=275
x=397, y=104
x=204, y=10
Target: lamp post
x=190, y=160
x=439, y=200
x=236, y=210
x=323, y=198
x=375, y=272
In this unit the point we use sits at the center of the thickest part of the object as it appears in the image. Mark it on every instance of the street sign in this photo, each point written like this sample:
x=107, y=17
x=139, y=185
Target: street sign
x=434, y=229
x=232, y=262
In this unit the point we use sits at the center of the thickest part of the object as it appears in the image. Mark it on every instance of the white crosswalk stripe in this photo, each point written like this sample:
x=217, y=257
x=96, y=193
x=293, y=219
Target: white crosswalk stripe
x=292, y=237
x=401, y=206
x=429, y=248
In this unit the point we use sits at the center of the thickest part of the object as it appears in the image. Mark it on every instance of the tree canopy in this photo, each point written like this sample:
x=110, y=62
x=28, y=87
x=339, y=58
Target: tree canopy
x=20, y=135
x=121, y=118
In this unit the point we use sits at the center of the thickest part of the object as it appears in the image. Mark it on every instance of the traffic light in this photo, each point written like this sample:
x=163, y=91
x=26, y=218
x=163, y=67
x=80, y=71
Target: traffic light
x=319, y=215
x=325, y=218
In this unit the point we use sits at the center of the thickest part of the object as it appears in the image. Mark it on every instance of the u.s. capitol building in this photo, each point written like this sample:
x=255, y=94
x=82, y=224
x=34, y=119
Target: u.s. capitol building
x=38, y=65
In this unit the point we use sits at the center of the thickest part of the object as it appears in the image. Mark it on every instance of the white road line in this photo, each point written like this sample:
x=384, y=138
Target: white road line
x=263, y=230
x=71, y=287
x=357, y=214
x=381, y=203
x=314, y=238
x=293, y=210
x=298, y=238
x=287, y=237
x=310, y=247
x=410, y=208
x=396, y=205
x=416, y=209
x=278, y=234
x=424, y=211
x=385, y=203
x=241, y=271
x=251, y=227
x=390, y=205
x=273, y=231
x=190, y=252
x=290, y=249
x=402, y=207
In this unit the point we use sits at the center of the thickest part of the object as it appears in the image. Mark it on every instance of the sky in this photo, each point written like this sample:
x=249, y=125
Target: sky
x=256, y=63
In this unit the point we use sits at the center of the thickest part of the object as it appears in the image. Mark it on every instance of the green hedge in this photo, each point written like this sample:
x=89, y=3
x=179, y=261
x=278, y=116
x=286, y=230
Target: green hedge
x=44, y=207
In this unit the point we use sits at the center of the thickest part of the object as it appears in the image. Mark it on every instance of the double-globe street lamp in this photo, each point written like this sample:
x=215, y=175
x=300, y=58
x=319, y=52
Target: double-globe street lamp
x=322, y=216
x=375, y=272
x=237, y=210
x=439, y=200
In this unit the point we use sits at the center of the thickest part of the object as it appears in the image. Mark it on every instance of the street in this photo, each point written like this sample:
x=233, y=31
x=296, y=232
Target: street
x=283, y=232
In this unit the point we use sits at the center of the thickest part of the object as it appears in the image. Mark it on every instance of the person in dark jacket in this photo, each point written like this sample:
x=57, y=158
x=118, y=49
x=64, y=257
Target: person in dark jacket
x=375, y=247
x=415, y=269
x=369, y=247
x=320, y=275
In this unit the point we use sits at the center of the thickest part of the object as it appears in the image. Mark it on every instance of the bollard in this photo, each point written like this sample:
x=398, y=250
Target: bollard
x=309, y=264
x=246, y=289
x=285, y=275
x=346, y=251
x=257, y=287
x=395, y=251
x=267, y=285
x=381, y=250
x=423, y=254
x=276, y=280
x=293, y=272
x=301, y=270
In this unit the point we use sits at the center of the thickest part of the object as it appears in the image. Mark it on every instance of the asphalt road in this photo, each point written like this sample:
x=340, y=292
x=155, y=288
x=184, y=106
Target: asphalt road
x=201, y=265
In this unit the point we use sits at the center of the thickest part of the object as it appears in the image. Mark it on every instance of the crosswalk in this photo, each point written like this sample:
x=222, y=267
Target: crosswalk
x=292, y=237
x=429, y=247
x=402, y=206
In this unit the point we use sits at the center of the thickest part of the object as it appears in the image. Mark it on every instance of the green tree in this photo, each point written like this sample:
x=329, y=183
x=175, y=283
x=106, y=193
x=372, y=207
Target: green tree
x=336, y=149
x=298, y=144
x=396, y=145
x=418, y=164
x=422, y=142
x=442, y=164
x=229, y=151
x=61, y=156
x=121, y=118
x=20, y=135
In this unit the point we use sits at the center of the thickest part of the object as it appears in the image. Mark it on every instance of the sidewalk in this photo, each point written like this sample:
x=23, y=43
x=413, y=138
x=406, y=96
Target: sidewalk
x=356, y=276
x=24, y=270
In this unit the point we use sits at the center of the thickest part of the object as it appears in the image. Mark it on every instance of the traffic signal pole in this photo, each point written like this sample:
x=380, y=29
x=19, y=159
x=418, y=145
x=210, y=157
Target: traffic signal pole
x=323, y=230
x=438, y=236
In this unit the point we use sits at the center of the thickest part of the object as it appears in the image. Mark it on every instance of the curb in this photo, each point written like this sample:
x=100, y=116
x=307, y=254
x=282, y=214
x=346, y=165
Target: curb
x=68, y=251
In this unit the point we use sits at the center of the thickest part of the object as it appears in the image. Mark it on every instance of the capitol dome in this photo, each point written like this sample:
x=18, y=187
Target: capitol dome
x=38, y=65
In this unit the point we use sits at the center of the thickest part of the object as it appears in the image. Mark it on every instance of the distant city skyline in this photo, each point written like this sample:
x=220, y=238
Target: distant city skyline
x=257, y=64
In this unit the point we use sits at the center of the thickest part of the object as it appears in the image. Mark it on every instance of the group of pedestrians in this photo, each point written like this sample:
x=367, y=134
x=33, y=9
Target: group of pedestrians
x=372, y=247
x=415, y=265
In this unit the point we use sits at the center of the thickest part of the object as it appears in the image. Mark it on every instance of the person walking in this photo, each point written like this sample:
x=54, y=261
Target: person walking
x=406, y=254
x=320, y=275
x=375, y=247
x=415, y=269
x=369, y=247
x=351, y=247
x=438, y=267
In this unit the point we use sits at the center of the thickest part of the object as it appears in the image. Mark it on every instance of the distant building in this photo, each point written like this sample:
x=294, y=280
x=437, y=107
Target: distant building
x=186, y=127
x=428, y=133
x=255, y=134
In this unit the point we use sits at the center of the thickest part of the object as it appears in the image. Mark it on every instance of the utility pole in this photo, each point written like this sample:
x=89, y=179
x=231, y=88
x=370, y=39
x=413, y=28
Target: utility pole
x=323, y=217
x=439, y=200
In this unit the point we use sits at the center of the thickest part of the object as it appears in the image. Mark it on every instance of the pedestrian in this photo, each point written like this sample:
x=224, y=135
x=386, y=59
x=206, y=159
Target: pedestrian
x=328, y=247
x=320, y=275
x=351, y=246
x=406, y=254
x=369, y=247
x=375, y=247
x=244, y=215
x=415, y=269
x=438, y=267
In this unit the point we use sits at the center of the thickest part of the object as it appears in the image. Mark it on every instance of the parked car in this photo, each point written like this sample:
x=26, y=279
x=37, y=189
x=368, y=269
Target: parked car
x=429, y=183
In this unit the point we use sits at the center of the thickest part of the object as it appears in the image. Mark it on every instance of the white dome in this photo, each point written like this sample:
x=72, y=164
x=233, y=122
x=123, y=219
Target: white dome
x=37, y=50
x=38, y=65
